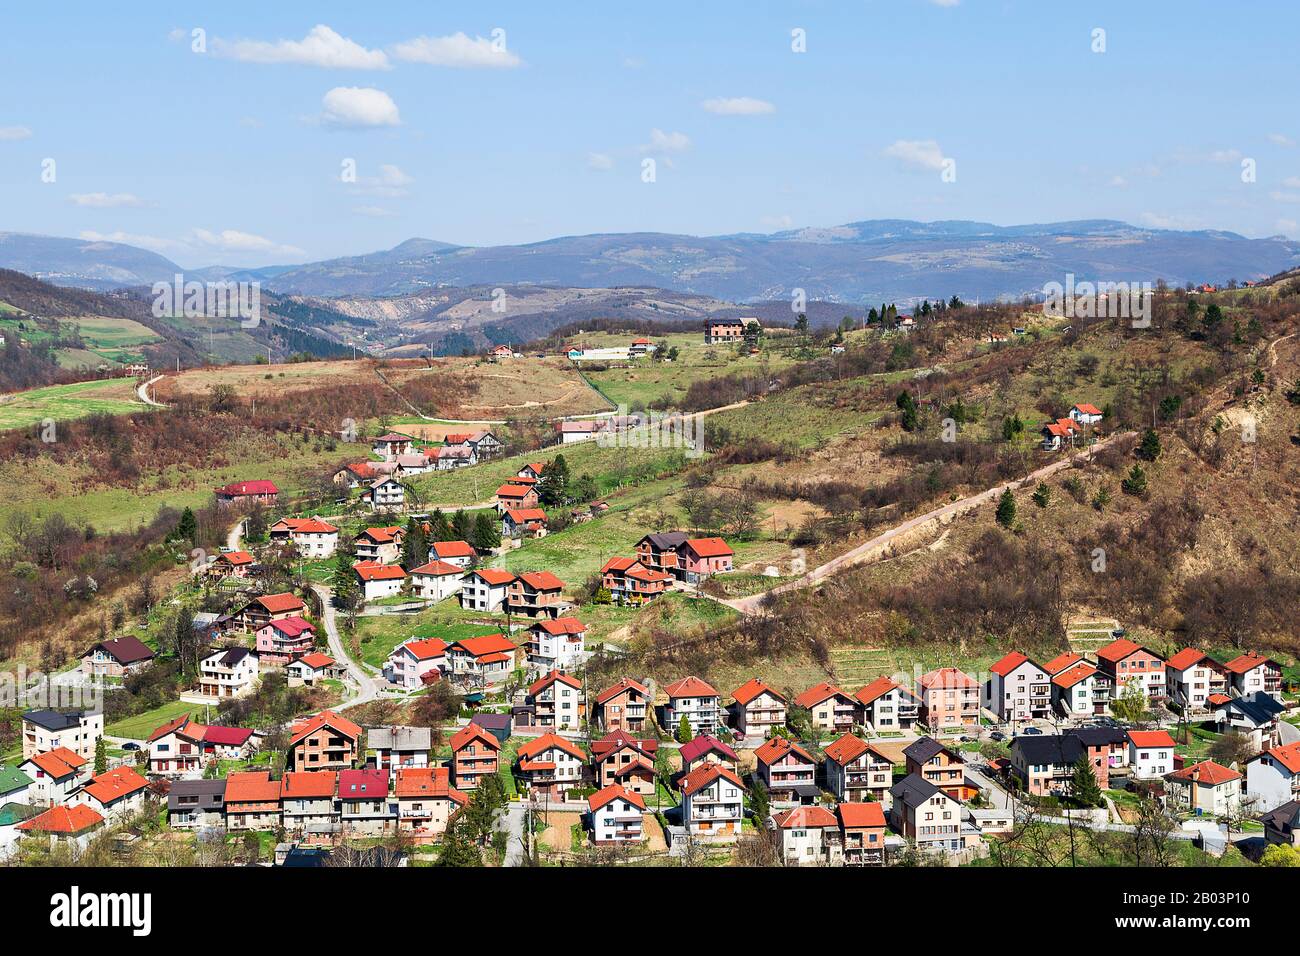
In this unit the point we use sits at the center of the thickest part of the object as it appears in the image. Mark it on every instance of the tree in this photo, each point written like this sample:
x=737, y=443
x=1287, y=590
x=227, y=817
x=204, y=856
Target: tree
x=1232, y=747
x=480, y=814
x=1011, y=427
x=187, y=527
x=415, y=545
x=347, y=593
x=1084, y=786
x=101, y=756
x=1042, y=495
x=911, y=417
x=1006, y=515
x=759, y=803
x=1102, y=498
x=1149, y=448
x=457, y=848
x=462, y=525
x=1132, y=704
x=1135, y=482
x=486, y=535
x=439, y=527
x=684, y=734
x=553, y=487
x=1280, y=855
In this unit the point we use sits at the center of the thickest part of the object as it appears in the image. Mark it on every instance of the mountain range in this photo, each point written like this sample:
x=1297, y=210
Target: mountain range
x=856, y=263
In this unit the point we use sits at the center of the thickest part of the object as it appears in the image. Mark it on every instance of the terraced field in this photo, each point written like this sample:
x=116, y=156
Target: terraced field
x=65, y=402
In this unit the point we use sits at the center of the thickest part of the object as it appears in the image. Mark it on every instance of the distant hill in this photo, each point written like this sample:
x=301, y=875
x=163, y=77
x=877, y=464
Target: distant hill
x=861, y=262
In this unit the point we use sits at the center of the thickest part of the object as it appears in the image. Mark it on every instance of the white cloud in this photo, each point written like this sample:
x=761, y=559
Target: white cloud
x=155, y=243
x=945, y=3
x=391, y=183
x=633, y=62
x=600, y=161
x=1287, y=226
x=1119, y=181
x=1225, y=156
x=357, y=106
x=1280, y=139
x=13, y=133
x=738, y=106
x=1292, y=182
x=917, y=153
x=1279, y=196
x=106, y=200
x=661, y=142
x=321, y=47
x=457, y=50
x=232, y=240
x=374, y=212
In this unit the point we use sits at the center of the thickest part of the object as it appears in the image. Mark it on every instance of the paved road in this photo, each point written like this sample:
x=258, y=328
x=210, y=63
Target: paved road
x=877, y=547
x=142, y=390
x=511, y=822
x=1289, y=733
x=366, y=687
x=235, y=535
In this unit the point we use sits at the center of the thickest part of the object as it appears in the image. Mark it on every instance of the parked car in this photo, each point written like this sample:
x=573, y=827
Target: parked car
x=130, y=745
x=997, y=735
x=1031, y=732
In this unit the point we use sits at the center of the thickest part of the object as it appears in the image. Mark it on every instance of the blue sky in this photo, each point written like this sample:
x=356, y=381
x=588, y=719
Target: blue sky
x=235, y=155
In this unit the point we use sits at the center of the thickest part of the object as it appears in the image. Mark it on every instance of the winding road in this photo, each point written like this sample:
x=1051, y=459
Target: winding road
x=879, y=546
x=367, y=688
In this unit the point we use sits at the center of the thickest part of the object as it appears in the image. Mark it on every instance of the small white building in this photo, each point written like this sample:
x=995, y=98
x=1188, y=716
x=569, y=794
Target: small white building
x=1086, y=414
x=311, y=537
x=713, y=802
x=117, y=794
x=228, y=672
x=560, y=643
x=1081, y=691
x=616, y=816
x=1273, y=777
x=379, y=580
x=386, y=494
x=436, y=580
x=1150, y=753
x=77, y=730
x=1204, y=788
x=485, y=589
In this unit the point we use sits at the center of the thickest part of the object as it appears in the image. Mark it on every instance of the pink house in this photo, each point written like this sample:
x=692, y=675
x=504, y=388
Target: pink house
x=700, y=557
x=279, y=641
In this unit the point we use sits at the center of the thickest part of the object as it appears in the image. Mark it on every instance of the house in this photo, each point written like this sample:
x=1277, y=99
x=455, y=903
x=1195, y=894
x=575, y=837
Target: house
x=364, y=807
x=1192, y=677
x=1081, y=691
x=229, y=743
x=436, y=580
x=426, y=801
x=1125, y=662
x=485, y=589
x=1043, y=764
x=1253, y=672
x=700, y=558
x=228, y=672
x=523, y=523
x=1282, y=824
x=197, y=804
x=619, y=758
x=394, y=748
x=76, y=730
x=532, y=472
x=1056, y=434
x=630, y=582
x=923, y=813
x=417, y=462
x=862, y=833
x=488, y=659
x=713, y=803
x=615, y=816
x=724, y=331
x=392, y=444
x=1273, y=777
x=310, y=669
x=74, y=824
x=571, y=432
x=787, y=770
x=1150, y=753
x=534, y=594
x=707, y=749
x=280, y=641
x=696, y=701
x=269, y=607
x=551, y=766
x=323, y=742
x=856, y=770
x=311, y=537
x=623, y=706
x=941, y=766
x=411, y=661
x=500, y=726
x=252, y=800
x=380, y=545
x=807, y=836
x=949, y=698
x=511, y=496
x=231, y=564
x=831, y=709
x=756, y=709
x=307, y=801
x=459, y=553
x=55, y=775
x=484, y=443
x=474, y=755
x=556, y=701
x=1204, y=788
x=1086, y=414
x=247, y=492
x=452, y=457
x=355, y=475
x=15, y=786
x=176, y=748
x=501, y=352
x=116, y=658
x=379, y=581
x=116, y=794
x=887, y=706
x=385, y=494
x=659, y=551
x=1255, y=715
x=557, y=644
x=1018, y=689
x=640, y=347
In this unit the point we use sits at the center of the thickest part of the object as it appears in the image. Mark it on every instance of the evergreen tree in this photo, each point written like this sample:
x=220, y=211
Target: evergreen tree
x=553, y=488
x=684, y=731
x=911, y=416
x=187, y=527
x=101, y=756
x=1135, y=483
x=415, y=546
x=347, y=593
x=1150, y=447
x=439, y=527
x=1084, y=786
x=1102, y=498
x=1006, y=515
x=759, y=803
x=1042, y=494
x=486, y=535
x=462, y=525
x=457, y=848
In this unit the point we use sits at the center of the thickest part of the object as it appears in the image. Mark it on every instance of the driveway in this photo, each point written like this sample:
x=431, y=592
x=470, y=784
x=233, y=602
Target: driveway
x=367, y=688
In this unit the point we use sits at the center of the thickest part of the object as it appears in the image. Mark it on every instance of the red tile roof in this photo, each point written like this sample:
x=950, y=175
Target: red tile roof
x=1208, y=772
x=805, y=818
x=259, y=487
x=623, y=683
x=472, y=732
x=59, y=762
x=382, y=535
x=485, y=645
x=452, y=549
x=116, y=784
x=1087, y=409
x=1119, y=649
x=292, y=626
x=1150, y=738
x=237, y=558
x=561, y=626
x=877, y=688
x=427, y=782
x=1072, y=675
x=372, y=571
x=252, y=786
x=709, y=547
x=819, y=692
x=438, y=569
x=690, y=687
x=169, y=727
x=226, y=736
x=70, y=820
x=514, y=491
x=613, y=792
x=317, y=660
x=326, y=718
x=426, y=649
x=751, y=689
x=553, y=677
x=523, y=515
x=1288, y=756
x=1187, y=657
x=494, y=576
x=861, y=815
x=846, y=749
x=697, y=747
x=1009, y=663
x=1061, y=662
x=947, y=678
x=363, y=784
x=541, y=581
x=313, y=783
x=279, y=603
x=705, y=774
x=308, y=526
x=778, y=747
x=1246, y=662
x=547, y=742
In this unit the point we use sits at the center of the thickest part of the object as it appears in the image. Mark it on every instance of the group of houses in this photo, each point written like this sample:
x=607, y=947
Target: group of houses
x=662, y=558
x=1063, y=431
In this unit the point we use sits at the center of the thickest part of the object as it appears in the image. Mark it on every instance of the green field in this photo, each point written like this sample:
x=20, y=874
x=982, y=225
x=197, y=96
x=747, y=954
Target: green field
x=64, y=402
x=142, y=725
